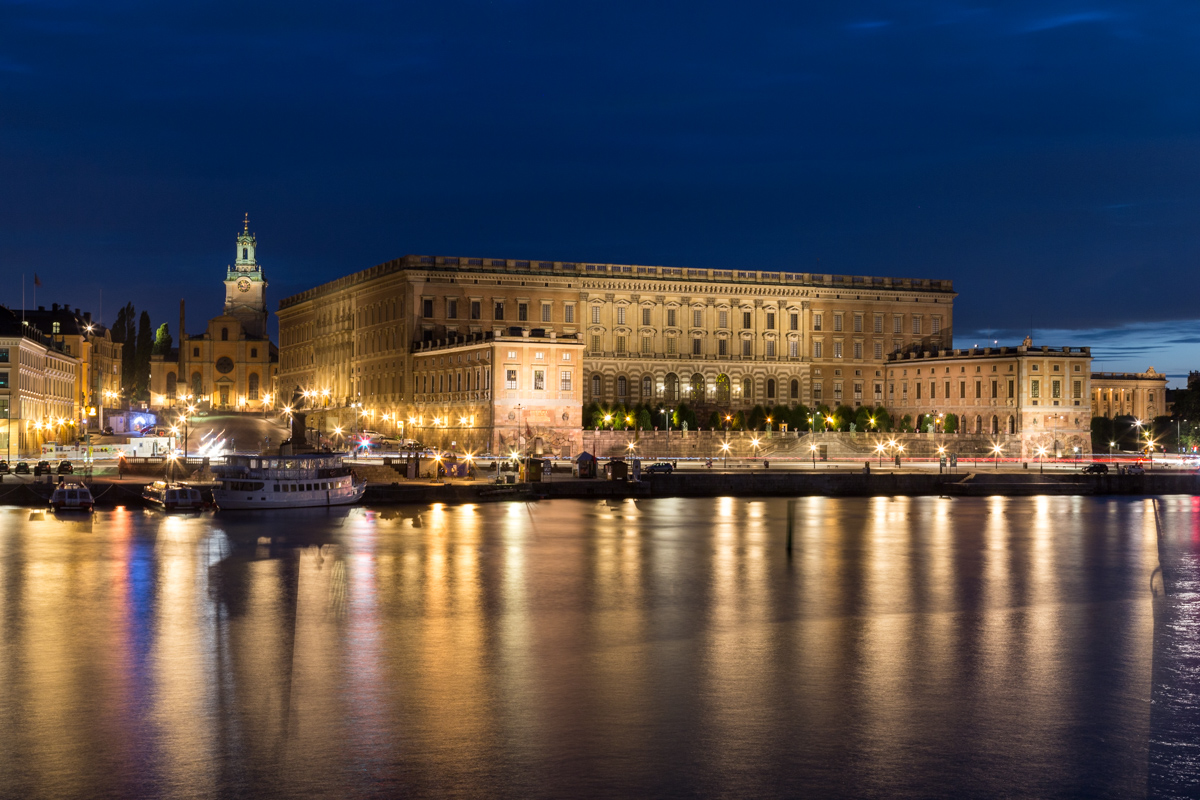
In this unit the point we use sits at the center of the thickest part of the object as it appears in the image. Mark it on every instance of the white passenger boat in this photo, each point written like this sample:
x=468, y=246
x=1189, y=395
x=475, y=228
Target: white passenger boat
x=72, y=496
x=173, y=496
x=306, y=480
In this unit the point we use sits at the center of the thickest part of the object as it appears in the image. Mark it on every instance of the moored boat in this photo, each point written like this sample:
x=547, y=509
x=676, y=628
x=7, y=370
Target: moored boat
x=308, y=480
x=173, y=496
x=72, y=496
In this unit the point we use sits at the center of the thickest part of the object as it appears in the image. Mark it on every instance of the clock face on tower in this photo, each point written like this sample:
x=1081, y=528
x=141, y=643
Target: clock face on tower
x=243, y=285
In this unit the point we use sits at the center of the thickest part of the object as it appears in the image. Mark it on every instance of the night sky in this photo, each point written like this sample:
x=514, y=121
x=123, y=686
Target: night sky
x=1043, y=155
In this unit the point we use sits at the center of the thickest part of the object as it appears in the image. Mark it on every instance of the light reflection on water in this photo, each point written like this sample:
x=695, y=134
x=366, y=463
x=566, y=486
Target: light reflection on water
x=908, y=647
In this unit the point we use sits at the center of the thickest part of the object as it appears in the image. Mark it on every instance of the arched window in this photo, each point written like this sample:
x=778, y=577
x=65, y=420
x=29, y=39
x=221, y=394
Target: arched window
x=995, y=424
x=245, y=253
x=671, y=387
x=697, y=388
x=622, y=387
x=1012, y=424
x=252, y=386
x=224, y=334
x=747, y=391
x=978, y=424
x=795, y=389
x=770, y=388
x=647, y=387
x=723, y=389
x=595, y=386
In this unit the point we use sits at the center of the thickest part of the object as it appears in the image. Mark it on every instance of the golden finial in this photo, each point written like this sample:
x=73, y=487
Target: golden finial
x=246, y=228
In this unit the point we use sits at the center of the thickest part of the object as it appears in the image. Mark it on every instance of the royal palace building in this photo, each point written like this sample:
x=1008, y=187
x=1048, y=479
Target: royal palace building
x=391, y=343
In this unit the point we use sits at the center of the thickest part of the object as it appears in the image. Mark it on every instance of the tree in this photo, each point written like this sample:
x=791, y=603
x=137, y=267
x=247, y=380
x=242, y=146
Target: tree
x=798, y=417
x=124, y=331
x=162, y=341
x=951, y=423
x=906, y=424
x=843, y=415
x=714, y=421
x=141, y=366
x=684, y=413
x=863, y=419
x=779, y=416
x=643, y=419
x=883, y=420
x=739, y=421
x=756, y=419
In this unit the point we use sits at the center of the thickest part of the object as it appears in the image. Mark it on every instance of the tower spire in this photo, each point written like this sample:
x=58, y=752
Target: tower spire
x=246, y=226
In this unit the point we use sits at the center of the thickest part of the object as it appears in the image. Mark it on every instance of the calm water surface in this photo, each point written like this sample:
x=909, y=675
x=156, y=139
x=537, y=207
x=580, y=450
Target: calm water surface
x=909, y=647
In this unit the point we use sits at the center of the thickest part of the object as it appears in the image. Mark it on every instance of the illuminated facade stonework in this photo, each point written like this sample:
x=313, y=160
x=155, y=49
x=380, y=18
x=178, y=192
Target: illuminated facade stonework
x=1039, y=394
x=718, y=339
x=1136, y=394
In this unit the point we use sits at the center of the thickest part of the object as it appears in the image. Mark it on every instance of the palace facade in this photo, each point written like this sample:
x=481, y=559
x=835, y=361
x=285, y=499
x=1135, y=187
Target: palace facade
x=38, y=388
x=716, y=339
x=1142, y=395
x=1039, y=394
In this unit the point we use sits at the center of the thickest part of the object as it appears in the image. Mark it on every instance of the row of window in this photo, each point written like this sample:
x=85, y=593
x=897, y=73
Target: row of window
x=1035, y=389
x=500, y=308
x=935, y=323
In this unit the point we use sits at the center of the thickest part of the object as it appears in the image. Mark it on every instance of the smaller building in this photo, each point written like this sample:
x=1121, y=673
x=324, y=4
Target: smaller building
x=1037, y=394
x=38, y=394
x=1142, y=395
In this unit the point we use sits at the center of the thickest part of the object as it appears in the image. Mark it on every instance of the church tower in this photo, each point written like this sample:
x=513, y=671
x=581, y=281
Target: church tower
x=245, y=286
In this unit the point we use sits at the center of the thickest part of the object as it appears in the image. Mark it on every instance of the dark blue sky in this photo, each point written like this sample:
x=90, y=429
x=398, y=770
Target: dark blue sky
x=1044, y=155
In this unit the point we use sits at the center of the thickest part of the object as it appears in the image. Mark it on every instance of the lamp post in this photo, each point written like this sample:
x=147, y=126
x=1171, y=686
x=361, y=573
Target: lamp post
x=754, y=444
x=725, y=451
x=667, y=412
x=1041, y=451
x=813, y=449
x=996, y=454
x=879, y=450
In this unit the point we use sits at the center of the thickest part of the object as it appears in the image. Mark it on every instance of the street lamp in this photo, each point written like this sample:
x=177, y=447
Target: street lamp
x=996, y=451
x=1041, y=451
x=754, y=444
x=725, y=452
x=879, y=449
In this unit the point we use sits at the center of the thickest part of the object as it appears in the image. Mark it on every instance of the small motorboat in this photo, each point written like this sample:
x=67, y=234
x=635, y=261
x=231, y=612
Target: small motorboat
x=72, y=496
x=173, y=496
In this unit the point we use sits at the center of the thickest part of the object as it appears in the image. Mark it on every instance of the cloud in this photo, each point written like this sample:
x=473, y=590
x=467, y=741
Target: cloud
x=1066, y=20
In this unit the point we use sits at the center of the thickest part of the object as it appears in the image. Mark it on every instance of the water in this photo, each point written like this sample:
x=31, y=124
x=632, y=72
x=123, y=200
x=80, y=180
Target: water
x=910, y=647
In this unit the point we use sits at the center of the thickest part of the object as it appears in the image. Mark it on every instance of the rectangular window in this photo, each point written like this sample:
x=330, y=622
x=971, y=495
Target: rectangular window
x=569, y=313
x=1076, y=389
x=476, y=309
x=646, y=346
x=566, y=356
x=522, y=312
x=746, y=320
x=947, y=395
x=427, y=307
x=879, y=349
x=816, y=391
x=510, y=379
x=498, y=311
x=837, y=349
x=897, y=325
x=916, y=325
x=195, y=352
x=452, y=309
x=3, y=355
x=793, y=348
x=858, y=323
x=770, y=348
x=254, y=352
x=547, y=312
x=722, y=347
x=937, y=325
x=595, y=315
x=722, y=319
x=671, y=347
x=595, y=343
x=695, y=347
x=817, y=321
x=858, y=349
x=995, y=390
x=747, y=350
x=962, y=390
x=770, y=321
x=646, y=315
x=1056, y=389
x=878, y=323
x=1035, y=388
x=837, y=322
x=697, y=318
x=794, y=322
x=4, y=380
x=539, y=380
x=918, y=387
x=817, y=349
x=620, y=344
x=620, y=315
x=671, y=317
x=564, y=381
x=978, y=390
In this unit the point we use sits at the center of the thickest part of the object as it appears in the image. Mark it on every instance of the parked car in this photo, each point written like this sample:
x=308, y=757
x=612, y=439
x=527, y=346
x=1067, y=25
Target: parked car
x=1096, y=469
x=22, y=468
x=66, y=467
x=3, y=466
x=41, y=468
x=107, y=430
x=659, y=467
x=1135, y=469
